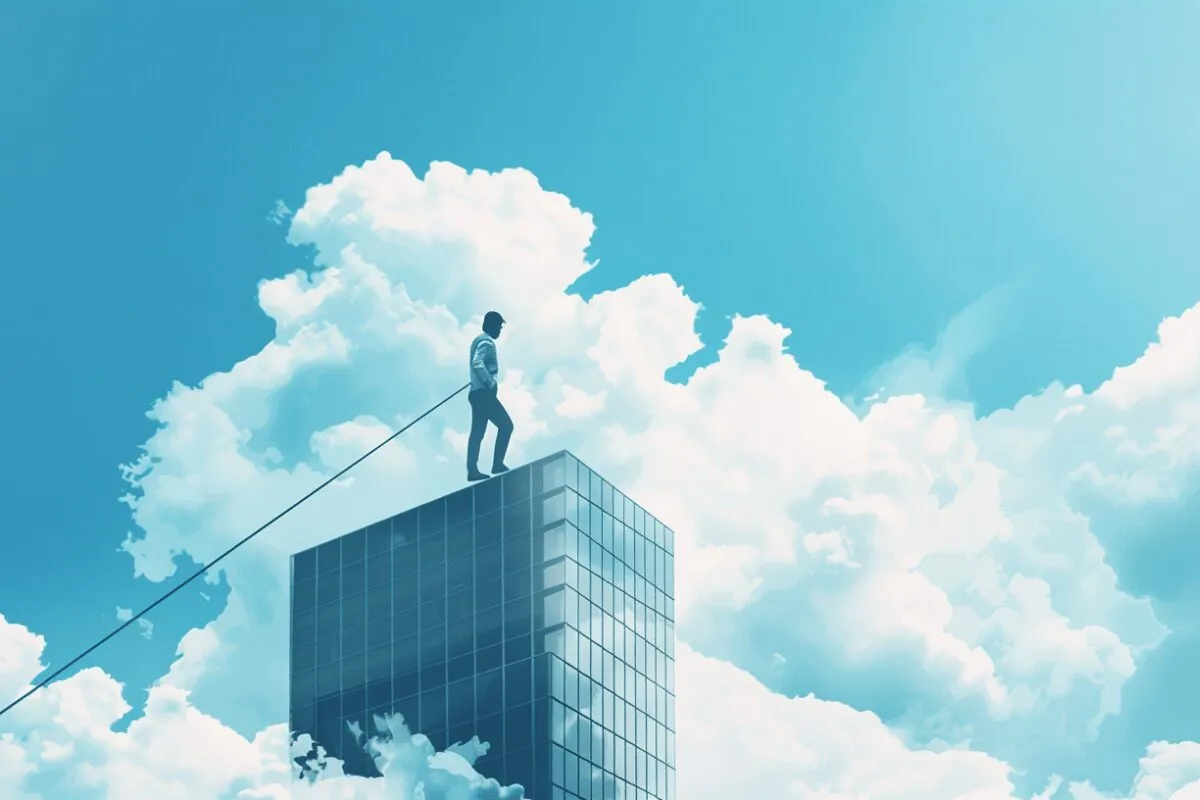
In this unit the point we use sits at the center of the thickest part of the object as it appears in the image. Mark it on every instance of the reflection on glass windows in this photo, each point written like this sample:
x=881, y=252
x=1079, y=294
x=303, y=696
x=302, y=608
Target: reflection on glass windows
x=553, y=473
x=535, y=611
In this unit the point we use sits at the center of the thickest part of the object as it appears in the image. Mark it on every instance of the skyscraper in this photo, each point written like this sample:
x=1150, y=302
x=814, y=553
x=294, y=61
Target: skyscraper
x=535, y=610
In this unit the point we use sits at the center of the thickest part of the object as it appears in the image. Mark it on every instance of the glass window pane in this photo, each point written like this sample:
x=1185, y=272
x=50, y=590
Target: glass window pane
x=518, y=648
x=432, y=517
x=433, y=708
x=460, y=540
x=459, y=668
x=557, y=722
x=489, y=692
x=379, y=663
x=553, y=642
x=583, y=479
x=354, y=671
x=432, y=549
x=460, y=573
x=354, y=641
x=571, y=645
x=583, y=518
x=460, y=604
x=460, y=637
x=379, y=570
x=433, y=615
x=354, y=611
x=304, y=596
x=461, y=700
x=490, y=657
x=593, y=488
x=329, y=557
x=554, y=473
x=573, y=537
x=329, y=587
x=405, y=596
x=459, y=507
x=304, y=628
x=541, y=682
x=354, y=547
x=571, y=688
x=405, y=684
x=557, y=774
x=518, y=618
x=433, y=645
x=551, y=508
x=488, y=563
x=405, y=654
x=517, y=585
x=379, y=538
x=488, y=595
x=304, y=565
x=379, y=602
x=572, y=772
x=516, y=485
x=518, y=553
x=571, y=472
x=487, y=497
x=557, y=679
x=518, y=683
x=404, y=560
x=571, y=510
x=488, y=627
x=554, y=575
x=329, y=621
x=404, y=528
x=554, y=542
x=571, y=608
x=488, y=529
x=517, y=519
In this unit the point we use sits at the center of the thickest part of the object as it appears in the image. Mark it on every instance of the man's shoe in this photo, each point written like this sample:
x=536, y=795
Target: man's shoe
x=476, y=475
x=496, y=470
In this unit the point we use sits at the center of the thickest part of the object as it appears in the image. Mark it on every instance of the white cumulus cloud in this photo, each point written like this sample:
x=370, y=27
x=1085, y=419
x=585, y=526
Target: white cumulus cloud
x=913, y=549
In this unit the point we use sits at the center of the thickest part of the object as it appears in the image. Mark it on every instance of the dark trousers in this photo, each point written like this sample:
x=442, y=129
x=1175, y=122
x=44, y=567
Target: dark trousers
x=485, y=408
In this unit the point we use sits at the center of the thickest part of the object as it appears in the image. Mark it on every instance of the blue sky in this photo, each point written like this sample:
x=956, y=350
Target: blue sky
x=864, y=174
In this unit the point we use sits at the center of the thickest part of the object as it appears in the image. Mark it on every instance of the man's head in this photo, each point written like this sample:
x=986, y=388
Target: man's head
x=492, y=323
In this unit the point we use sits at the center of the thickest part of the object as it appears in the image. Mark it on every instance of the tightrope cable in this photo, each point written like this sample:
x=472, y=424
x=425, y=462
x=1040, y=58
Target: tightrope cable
x=50, y=679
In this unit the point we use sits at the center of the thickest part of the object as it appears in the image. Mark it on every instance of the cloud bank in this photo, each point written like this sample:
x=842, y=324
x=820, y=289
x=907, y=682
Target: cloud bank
x=903, y=602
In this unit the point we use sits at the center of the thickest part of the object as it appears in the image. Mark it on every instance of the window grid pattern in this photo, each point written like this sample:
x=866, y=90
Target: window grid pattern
x=473, y=615
x=428, y=614
x=611, y=643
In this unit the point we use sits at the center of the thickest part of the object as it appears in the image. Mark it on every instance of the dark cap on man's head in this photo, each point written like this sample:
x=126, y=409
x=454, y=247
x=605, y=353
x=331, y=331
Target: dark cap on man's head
x=492, y=318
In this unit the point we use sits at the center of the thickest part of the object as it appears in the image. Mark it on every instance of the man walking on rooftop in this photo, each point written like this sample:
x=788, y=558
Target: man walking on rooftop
x=485, y=405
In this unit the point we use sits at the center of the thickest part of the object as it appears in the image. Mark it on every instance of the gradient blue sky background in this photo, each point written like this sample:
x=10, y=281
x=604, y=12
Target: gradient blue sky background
x=861, y=172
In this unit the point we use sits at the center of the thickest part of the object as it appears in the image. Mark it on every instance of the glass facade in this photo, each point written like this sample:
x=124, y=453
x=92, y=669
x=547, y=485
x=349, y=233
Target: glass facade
x=535, y=610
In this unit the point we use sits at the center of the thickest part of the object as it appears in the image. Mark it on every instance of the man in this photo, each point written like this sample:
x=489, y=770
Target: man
x=485, y=405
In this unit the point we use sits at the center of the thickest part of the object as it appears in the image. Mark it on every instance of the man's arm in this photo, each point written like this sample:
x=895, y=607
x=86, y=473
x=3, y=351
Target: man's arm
x=485, y=353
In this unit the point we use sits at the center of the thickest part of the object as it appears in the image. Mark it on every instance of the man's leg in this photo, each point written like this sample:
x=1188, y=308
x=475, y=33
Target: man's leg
x=504, y=431
x=479, y=421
